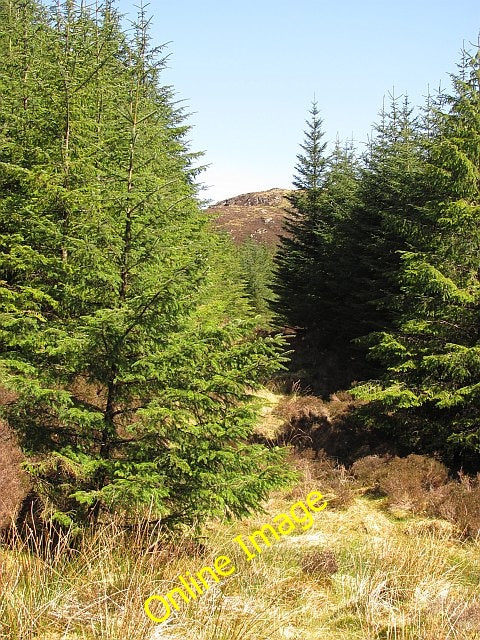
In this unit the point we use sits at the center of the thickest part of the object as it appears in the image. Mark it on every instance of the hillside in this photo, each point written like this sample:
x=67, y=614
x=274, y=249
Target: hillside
x=258, y=215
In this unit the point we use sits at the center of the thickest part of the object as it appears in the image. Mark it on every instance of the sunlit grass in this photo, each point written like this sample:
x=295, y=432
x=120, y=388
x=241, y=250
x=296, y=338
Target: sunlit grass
x=389, y=579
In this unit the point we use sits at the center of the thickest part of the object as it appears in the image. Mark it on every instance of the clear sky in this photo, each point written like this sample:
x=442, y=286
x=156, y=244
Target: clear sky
x=248, y=72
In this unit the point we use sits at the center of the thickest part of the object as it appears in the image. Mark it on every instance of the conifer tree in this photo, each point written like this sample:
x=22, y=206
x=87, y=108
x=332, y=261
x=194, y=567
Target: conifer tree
x=134, y=369
x=330, y=277
x=431, y=357
x=295, y=259
x=256, y=261
x=383, y=222
x=312, y=281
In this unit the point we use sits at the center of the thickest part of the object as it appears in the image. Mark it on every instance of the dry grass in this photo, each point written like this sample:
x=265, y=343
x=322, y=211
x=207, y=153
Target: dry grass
x=420, y=485
x=269, y=422
x=319, y=562
x=305, y=421
x=363, y=571
x=334, y=480
x=357, y=574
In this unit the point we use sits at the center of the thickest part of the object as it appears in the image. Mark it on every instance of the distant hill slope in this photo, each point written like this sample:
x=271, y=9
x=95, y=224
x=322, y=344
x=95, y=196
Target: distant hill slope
x=259, y=215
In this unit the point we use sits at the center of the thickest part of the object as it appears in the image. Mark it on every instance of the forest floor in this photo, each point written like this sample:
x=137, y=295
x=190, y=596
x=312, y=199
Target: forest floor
x=364, y=570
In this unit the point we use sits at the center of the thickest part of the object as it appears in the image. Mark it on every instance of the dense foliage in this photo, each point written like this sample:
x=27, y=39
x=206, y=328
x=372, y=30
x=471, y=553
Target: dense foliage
x=128, y=342
x=384, y=254
x=295, y=259
x=256, y=269
x=430, y=355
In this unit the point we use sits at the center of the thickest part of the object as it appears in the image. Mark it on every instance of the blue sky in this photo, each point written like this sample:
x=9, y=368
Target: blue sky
x=248, y=72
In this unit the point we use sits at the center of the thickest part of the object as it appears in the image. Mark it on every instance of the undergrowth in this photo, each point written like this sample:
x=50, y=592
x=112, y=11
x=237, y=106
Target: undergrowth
x=362, y=572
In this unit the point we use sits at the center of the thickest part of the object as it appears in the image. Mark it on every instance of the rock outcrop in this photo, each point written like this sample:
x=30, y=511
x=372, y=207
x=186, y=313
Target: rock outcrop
x=258, y=215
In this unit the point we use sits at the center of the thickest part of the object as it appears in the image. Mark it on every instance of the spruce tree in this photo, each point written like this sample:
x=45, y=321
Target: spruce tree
x=383, y=223
x=256, y=261
x=330, y=278
x=134, y=368
x=313, y=282
x=295, y=259
x=431, y=357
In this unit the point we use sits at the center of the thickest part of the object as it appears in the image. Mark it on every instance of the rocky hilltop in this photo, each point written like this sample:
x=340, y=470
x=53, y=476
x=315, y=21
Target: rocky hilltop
x=259, y=215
